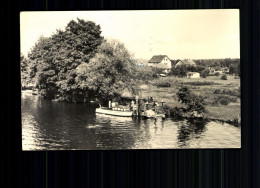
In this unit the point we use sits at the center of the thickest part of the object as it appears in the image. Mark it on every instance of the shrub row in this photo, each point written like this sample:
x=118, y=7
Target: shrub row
x=231, y=92
x=199, y=83
x=163, y=82
x=224, y=100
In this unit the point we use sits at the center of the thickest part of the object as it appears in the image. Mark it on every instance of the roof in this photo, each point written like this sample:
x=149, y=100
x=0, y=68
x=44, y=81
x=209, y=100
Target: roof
x=186, y=62
x=157, y=58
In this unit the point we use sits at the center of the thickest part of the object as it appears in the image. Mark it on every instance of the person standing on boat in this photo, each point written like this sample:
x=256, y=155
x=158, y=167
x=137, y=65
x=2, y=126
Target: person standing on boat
x=134, y=109
x=138, y=105
x=109, y=104
x=130, y=107
x=146, y=105
x=142, y=106
x=155, y=104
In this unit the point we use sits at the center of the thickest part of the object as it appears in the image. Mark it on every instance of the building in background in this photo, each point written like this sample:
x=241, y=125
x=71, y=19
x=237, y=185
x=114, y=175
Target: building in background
x=193, y=75
x=187, y=62
x=161, y=61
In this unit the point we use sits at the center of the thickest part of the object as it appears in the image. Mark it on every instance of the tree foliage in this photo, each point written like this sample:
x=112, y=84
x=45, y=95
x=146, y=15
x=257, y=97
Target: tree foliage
x=202, y=66
x=234, y=69
x=109, y=72
x=204, y=73
x=24, y=63
x=179, y=71
x=217, y=74
x=216, y=63
x=54, y=59
x=223, y=77
x=191, y=101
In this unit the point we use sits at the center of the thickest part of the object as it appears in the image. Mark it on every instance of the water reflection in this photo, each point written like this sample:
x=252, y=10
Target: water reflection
x=190, y=129
x=116, y=132
x=53, y=126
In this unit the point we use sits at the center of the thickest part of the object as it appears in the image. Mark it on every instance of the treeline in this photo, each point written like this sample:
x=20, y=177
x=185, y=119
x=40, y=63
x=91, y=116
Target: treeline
x=217, y=63
x=78, y=64
x=214, y=63
x=233, y=65
x=205, y=66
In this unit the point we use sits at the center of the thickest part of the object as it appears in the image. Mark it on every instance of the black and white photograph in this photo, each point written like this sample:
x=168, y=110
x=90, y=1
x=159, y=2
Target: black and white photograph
x=124, y=80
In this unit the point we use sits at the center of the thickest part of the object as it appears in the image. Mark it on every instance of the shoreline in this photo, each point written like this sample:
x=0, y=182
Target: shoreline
x=207, y=116
x=233, y=122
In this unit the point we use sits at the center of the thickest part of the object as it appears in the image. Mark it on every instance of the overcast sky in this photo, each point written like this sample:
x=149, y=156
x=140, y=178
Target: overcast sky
x=180, y=34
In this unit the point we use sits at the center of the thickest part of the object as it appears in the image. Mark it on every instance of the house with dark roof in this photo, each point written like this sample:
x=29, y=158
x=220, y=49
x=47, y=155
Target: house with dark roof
x=187, y=62
x=160, y=61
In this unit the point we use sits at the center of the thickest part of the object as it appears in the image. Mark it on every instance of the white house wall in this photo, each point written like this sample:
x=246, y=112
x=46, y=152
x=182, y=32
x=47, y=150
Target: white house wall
x=167, y=63
x=194, y=76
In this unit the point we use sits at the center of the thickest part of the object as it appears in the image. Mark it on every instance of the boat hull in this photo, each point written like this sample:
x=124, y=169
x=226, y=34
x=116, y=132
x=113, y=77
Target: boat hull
x=114, y=112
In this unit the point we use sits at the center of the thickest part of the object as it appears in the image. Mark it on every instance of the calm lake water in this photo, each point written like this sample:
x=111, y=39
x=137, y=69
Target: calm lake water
x=63, y=126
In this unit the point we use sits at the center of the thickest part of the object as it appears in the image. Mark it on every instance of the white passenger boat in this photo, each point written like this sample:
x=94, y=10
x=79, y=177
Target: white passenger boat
x=115, y=112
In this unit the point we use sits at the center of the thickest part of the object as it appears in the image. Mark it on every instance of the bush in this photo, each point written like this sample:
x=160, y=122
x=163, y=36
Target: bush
x=231, y=92
x=163, y=82
x=179, y=71
x=217, y=91
x=233, y=99
x=204, y=73
x=172, y=111
x=224, y=101
x=195, y=68
x=217, y=74
x=223, y=77
x=192, y=102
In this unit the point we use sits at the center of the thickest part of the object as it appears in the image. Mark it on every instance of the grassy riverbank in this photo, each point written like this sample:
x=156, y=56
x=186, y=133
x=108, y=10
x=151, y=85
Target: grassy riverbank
x=213, y=89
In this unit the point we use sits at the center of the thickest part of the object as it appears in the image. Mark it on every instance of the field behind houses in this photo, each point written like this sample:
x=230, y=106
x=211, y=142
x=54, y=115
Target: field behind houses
x=200, y=86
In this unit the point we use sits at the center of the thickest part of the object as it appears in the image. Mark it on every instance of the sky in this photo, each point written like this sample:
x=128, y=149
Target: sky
x=179, y=34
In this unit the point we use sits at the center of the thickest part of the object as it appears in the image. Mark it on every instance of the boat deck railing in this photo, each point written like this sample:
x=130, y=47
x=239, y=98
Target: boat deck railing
x=123, y=109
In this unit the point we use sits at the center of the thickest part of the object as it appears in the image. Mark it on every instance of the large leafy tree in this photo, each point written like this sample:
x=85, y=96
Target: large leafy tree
x=54, y=59
x=41, y=69
x=109, y=72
